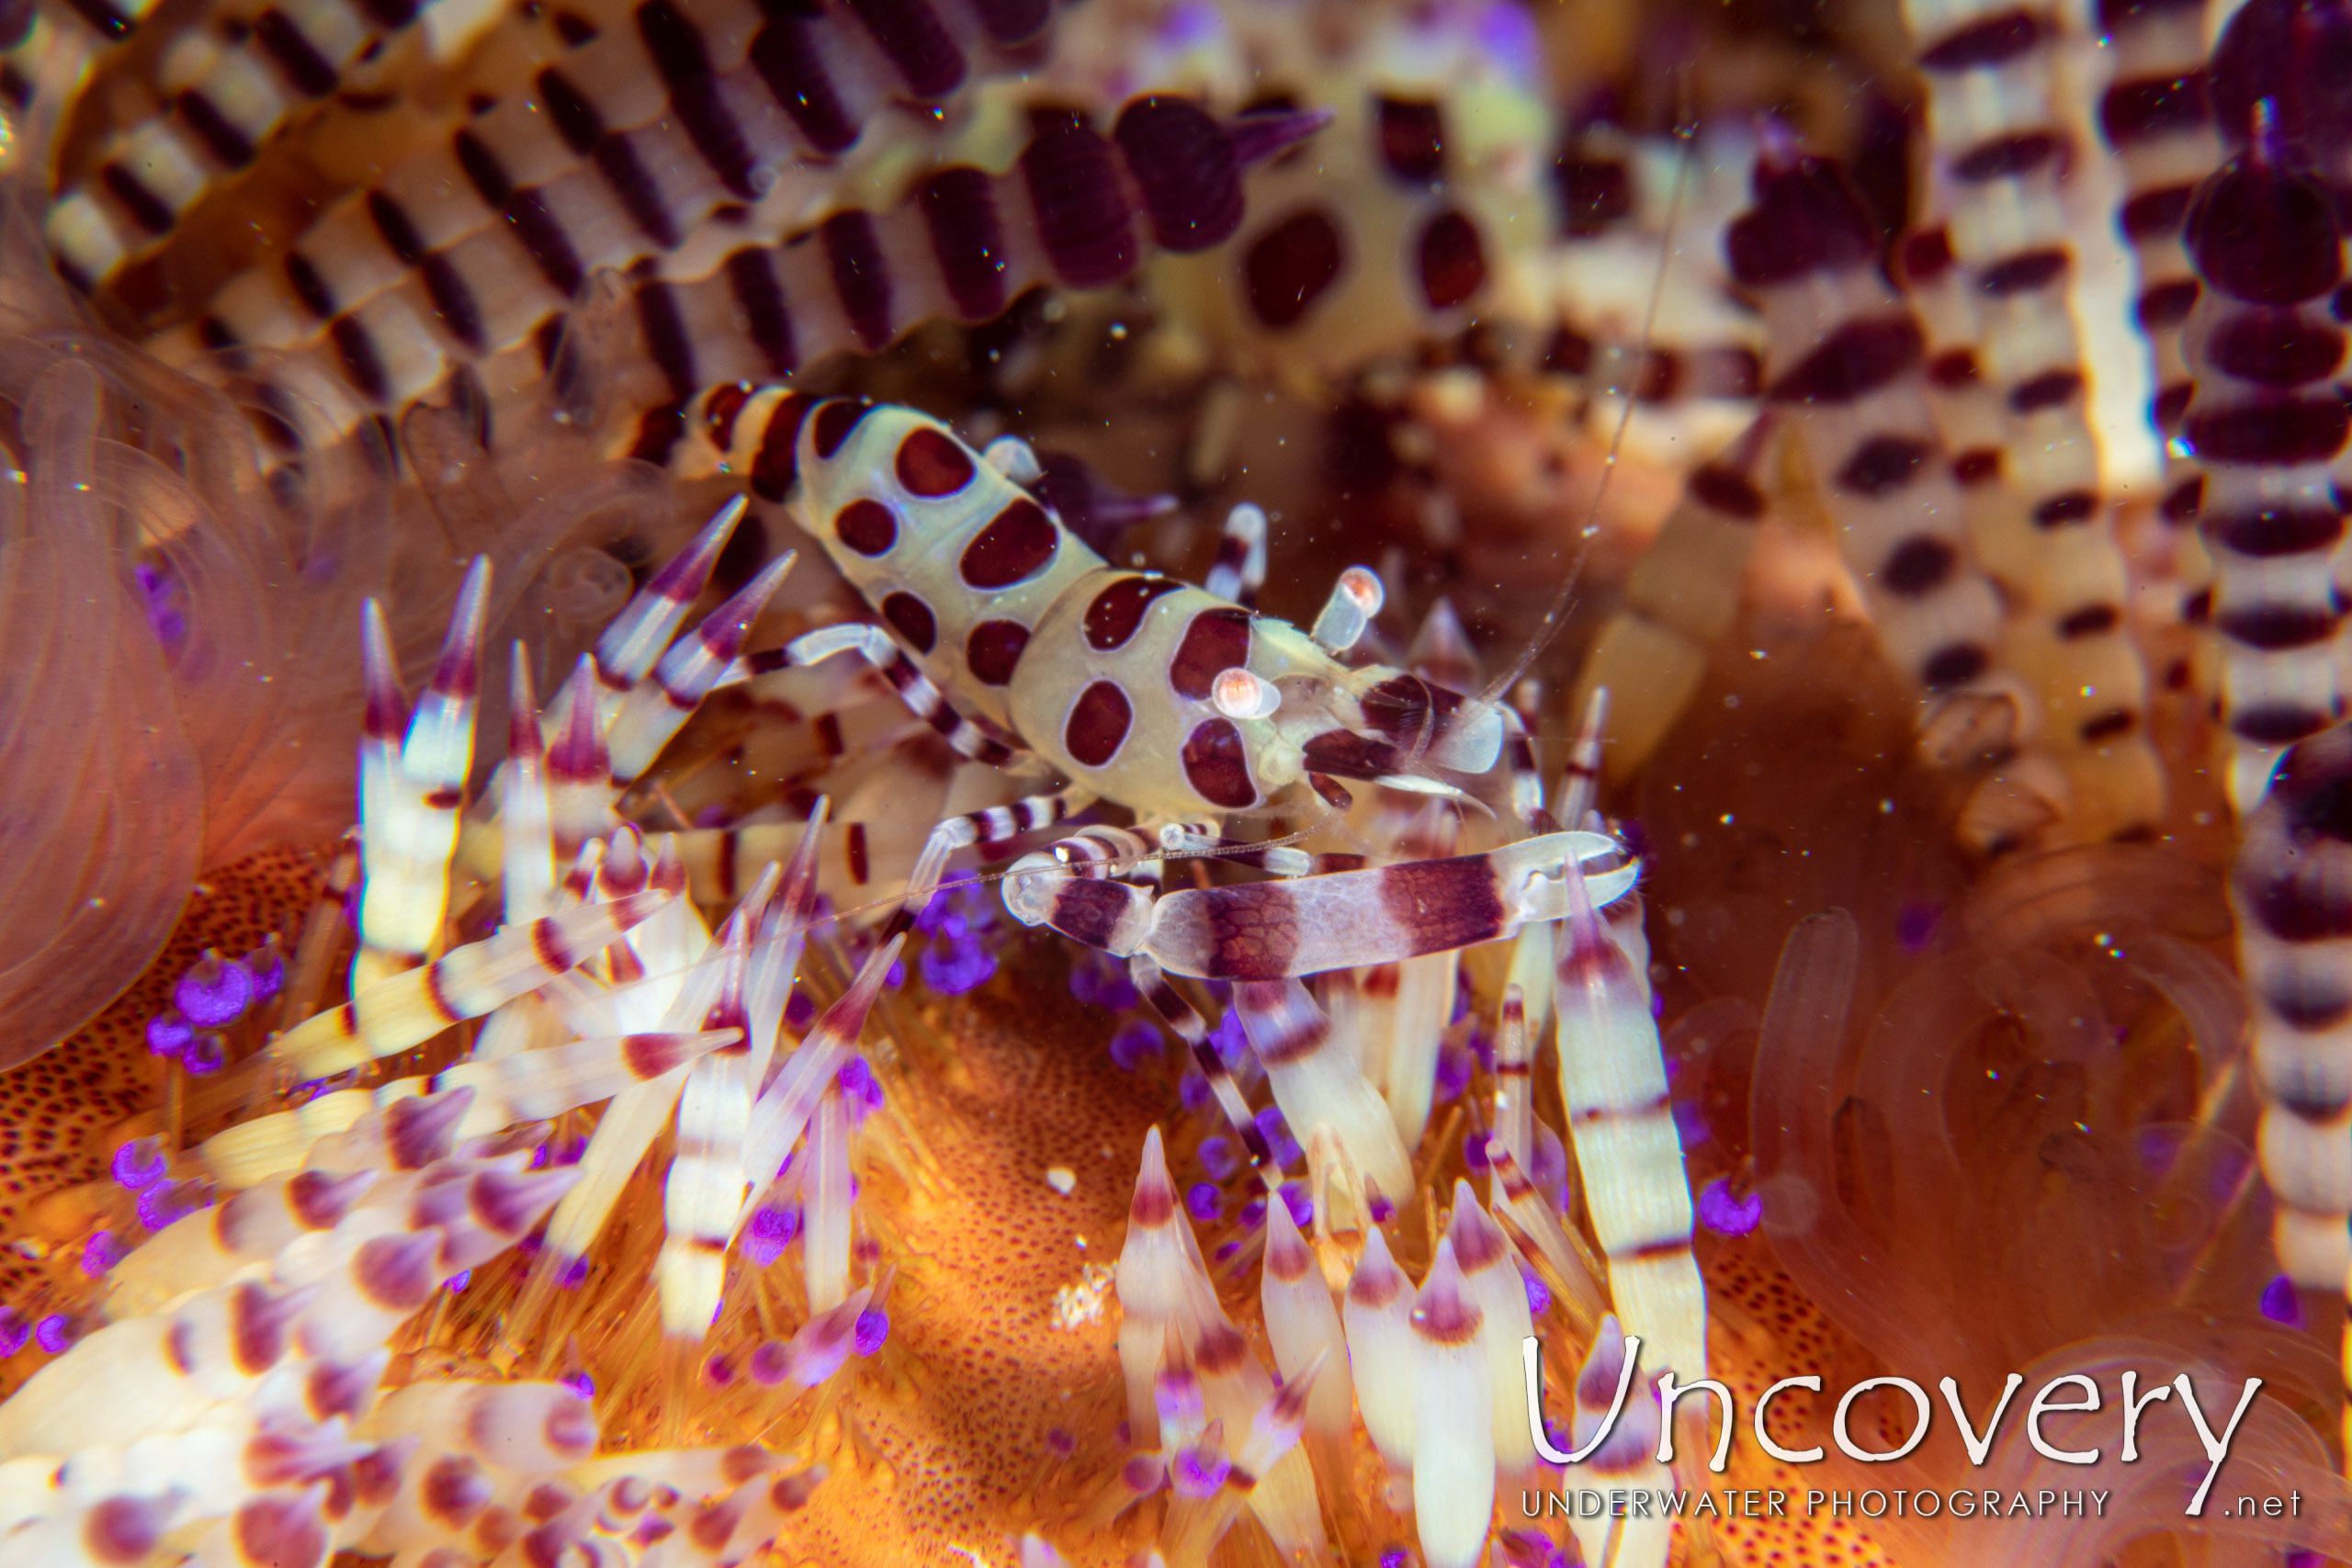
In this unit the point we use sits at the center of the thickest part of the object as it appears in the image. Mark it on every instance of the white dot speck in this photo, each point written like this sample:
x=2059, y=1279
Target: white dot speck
x=1061, y=1179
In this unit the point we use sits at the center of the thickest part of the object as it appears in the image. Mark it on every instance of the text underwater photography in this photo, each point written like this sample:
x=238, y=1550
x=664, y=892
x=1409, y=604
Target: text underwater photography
x=2082, y=1397
x=1175, y=784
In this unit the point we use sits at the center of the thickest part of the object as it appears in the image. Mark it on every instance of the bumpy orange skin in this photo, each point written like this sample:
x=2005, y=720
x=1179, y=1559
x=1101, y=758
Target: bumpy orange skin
x=950, y=1425
x=63, y=1113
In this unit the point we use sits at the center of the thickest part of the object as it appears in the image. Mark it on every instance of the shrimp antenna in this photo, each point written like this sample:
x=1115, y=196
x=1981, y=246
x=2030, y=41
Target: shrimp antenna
x=1556, y=615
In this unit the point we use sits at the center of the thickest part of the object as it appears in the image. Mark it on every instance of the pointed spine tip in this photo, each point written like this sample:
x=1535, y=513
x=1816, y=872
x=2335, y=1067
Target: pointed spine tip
x=578, y=755
x=459, y=674
x=1288, y=1258
x=1478, y=1241
x=385, y=716
x=525, y=742
x=1443, y=1313
x=1378, y=1280
x=688, y=572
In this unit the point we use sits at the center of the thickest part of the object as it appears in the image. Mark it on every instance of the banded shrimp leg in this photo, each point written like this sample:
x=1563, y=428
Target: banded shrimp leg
x=968, y=738
x=1329, y=913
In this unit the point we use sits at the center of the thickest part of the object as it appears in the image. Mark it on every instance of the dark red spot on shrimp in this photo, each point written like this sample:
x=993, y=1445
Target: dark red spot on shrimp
x=1881, y=464
x=1098, y=724
x=1216, y=764
x=1989, y=43
x=2278, y=432
x=2067, y=506
x=932, y=462
x=2026, y=272
x=1289, y=267
x=2150, y=106
x=2276, y=723
x=1728, y=492
x=1404, y=707
x=2295, y=894
x=1112, y=618
x=1016, y=544
x=1246, y=932
x=835, y=421
x=1412, y=137
x=2154, y=214
x=2006, y=158
x=1439, y=905
x=1594, y=192
x=1088, y=910
x=911, y=619
x=721, y=410
x=1918, y=566
x=993, y=649
x=2091, y=620
x=1926, y=256
x=777, y=464
x=1454, y=260
x=1184, y=163
x=2276, y=531
x=1854, y=361
x=2309, y=1002
x=2277, y=348
x=1807, y=217
x=1979, y=465
x=2053, y=388
x=2298, y=56
x=866, y=526
x=2277, y=626
x=1954, y=666
x=1217, y=641
x=1954, y=367
x=2265, y=235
